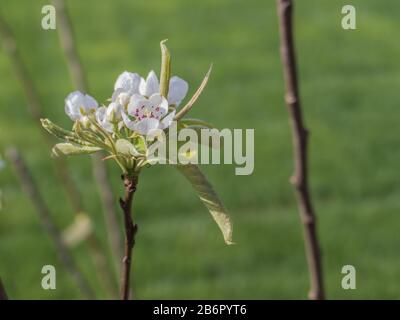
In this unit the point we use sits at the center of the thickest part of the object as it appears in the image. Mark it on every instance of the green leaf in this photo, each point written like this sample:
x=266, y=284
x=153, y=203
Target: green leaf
x=165, y=69
x=186, y=122
x=69, y=149
x=196, y=95
x=126, y=148
x=61, y=133
x=209, y=198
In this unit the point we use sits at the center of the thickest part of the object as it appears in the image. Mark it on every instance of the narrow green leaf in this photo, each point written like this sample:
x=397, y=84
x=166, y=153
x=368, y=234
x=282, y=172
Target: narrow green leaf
x=69, y=149
x=196, y=95
x=61, y=133
x=209, y=197
x=165, y=73
x=195, y=122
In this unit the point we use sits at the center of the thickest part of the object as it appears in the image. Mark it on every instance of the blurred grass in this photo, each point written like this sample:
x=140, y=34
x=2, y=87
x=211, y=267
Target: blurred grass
x=349, y=83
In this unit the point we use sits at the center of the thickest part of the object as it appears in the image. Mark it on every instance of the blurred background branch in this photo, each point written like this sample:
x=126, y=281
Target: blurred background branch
x=36, y=109
x=78, y=77
x=43, y=213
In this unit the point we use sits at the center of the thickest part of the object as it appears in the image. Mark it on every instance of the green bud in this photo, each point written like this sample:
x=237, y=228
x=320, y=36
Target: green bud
x=126, y=148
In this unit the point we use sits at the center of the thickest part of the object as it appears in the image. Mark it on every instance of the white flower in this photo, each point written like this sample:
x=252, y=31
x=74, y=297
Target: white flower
x=114, y=111
x=178, y=88
x=150, y=85
x=126, y=85
x=128, y=82
x=148, y=113
x=140, y=98
x=78, y=106
x=108, y=117
x=101, y=118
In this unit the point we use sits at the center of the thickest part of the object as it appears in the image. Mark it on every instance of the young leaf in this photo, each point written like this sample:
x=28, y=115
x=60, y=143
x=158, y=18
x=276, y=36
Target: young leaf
x=165, y=69
x=61, y=133
x=196, y=95
x=69, y=149
x=186, y=122
x=209, y=198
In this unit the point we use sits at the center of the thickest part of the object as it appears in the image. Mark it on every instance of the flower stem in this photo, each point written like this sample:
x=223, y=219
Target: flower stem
x=130, y=183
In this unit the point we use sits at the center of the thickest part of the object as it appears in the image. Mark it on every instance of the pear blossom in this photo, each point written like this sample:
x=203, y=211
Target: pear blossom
x=101, y=118
x=126, y=85
x=148, y=113
x=149, y=108
x=110, y=116
x=149, y=86
x=79, y=105
x=178, y=88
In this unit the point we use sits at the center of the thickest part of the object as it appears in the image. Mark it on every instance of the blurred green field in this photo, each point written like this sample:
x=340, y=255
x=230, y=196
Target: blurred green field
x=349, y=83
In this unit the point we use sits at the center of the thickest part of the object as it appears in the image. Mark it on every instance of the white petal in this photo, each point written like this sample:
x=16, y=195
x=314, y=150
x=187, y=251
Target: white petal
x=157, y=100
x=72, y=104
x=74, y=96
x=71, y=112
x=113, y=112
x=101, y=114
x=150, y=86
x=116, y=94
x=128, y=122
x=137, y=101
x=178, y=89
x=146, y=125
x=101, y=118
x=90, y=103
x=167, y=121
x=128, y=81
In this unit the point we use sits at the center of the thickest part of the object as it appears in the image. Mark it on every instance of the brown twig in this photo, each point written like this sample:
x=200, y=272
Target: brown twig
x=31, y=189
x=300, y=139
x=130, y=183
x=3, y=293
x=75, y=66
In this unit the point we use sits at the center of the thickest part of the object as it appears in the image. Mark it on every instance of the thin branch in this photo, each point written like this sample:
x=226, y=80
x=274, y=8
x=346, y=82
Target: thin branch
x=3, y=293
x=130, y=183
x=30, y=188
x=36, y=108
x=300, y=140
x=67, y=40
